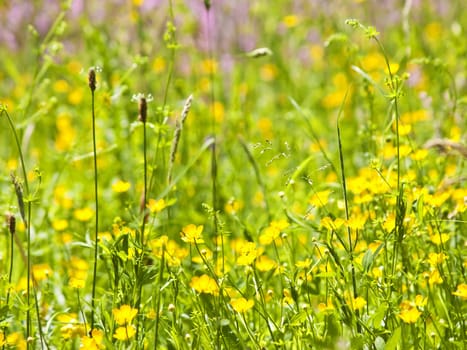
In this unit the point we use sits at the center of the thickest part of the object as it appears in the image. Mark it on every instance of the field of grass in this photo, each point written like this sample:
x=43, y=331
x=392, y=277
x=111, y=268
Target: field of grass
x=233, y=174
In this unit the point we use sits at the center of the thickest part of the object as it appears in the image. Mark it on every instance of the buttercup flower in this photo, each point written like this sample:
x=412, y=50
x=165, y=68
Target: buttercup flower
x=204, y=284
x=124, y=315
x=192, y=234
x=461, y=291
x=242, y=305
x=125, y=333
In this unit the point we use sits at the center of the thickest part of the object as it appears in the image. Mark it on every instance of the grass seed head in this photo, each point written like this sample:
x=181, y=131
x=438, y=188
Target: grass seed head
x=92, y=79
x=143, y=109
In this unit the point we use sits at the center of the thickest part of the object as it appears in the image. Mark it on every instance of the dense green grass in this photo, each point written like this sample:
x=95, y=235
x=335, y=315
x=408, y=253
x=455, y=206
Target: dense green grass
x=244, y=176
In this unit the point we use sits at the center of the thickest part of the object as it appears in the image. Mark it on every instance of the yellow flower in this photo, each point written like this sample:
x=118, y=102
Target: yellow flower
x=72, y=328
x=287, y=300
x=209, y=66
x=439, y=239
x=125, y=333
x=77, y=283
x=94, y=342
x=290, y=21
x=121, y=186
x=59, y=224
x=303, y=264
x=84, y=214
x=158, y=65
x=233, y=206
x=263, y=263
x=2, y=339
x=156, y=205
x=61, y=86
x=273, y=231
x=124, y=315
x=41, y=272
x=242, y=305
x=435, y=259
x=204, y=284
x=192, y=234
x=248, y=254
x=434, y=278
x=420, y=300
x=461, y=291
x=17, y=340
x=326, y=308
x=320, y=199
x=269, y=235
x=331, y=224
x=358, y=303
x=409, y=313
x=268, y=72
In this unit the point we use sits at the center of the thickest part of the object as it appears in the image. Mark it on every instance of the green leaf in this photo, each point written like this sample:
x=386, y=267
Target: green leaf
x=394, y=340
x=380, y=344
x=298, y=318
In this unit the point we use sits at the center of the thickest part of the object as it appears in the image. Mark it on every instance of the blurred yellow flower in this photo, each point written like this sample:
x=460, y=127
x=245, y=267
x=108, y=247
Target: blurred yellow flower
x=121, y=186
x=242, y=305
x=248, y=254
x=434, y=278
x=233, y=206
x=156, y=205
x=326, y=308
x=84, y=214
x=435, y=259
x=287, y=300
x=268, y=72
x=357, y=303
x=204, y=284
x=303, y=264
x=290, y=21
x=409, y=312
x=59, y=224
x=61, y=86
x=209, y=66
x=124, y=315
x=192, y=234
x=319, y=199
x=41, y=272
x=72, y=328
x=461, y=291
x=125, y=333
x=75, y=96
x=439, y=239
x=2, y=339
x=94, y=342
x=264, y=263
x=158, y=65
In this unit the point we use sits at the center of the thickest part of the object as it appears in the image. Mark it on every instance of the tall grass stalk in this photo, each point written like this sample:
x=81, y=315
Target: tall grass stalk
x=27, y=222
x=92, y=86
x=171, y=43
x=351, y=244
x=214, y=171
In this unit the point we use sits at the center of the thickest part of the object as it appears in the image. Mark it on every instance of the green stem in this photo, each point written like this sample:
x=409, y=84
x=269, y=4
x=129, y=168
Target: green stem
x=96, y=201
x=344, y=190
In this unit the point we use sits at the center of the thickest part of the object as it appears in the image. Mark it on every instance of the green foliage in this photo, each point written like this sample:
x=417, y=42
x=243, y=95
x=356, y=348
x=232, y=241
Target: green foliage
x=295, y=185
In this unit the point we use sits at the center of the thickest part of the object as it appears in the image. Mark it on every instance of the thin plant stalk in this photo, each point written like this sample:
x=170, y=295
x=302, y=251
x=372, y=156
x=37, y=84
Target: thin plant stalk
x=92, y=86
x=346, y=203
x=158, y=298
x=27, y=221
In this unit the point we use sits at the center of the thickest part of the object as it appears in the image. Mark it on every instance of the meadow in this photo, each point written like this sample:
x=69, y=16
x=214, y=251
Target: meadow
x=233, y=174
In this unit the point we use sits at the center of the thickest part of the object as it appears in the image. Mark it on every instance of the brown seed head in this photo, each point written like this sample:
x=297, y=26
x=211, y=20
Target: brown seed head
x=143, y=109
x=11, y=220
x=92, y=79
